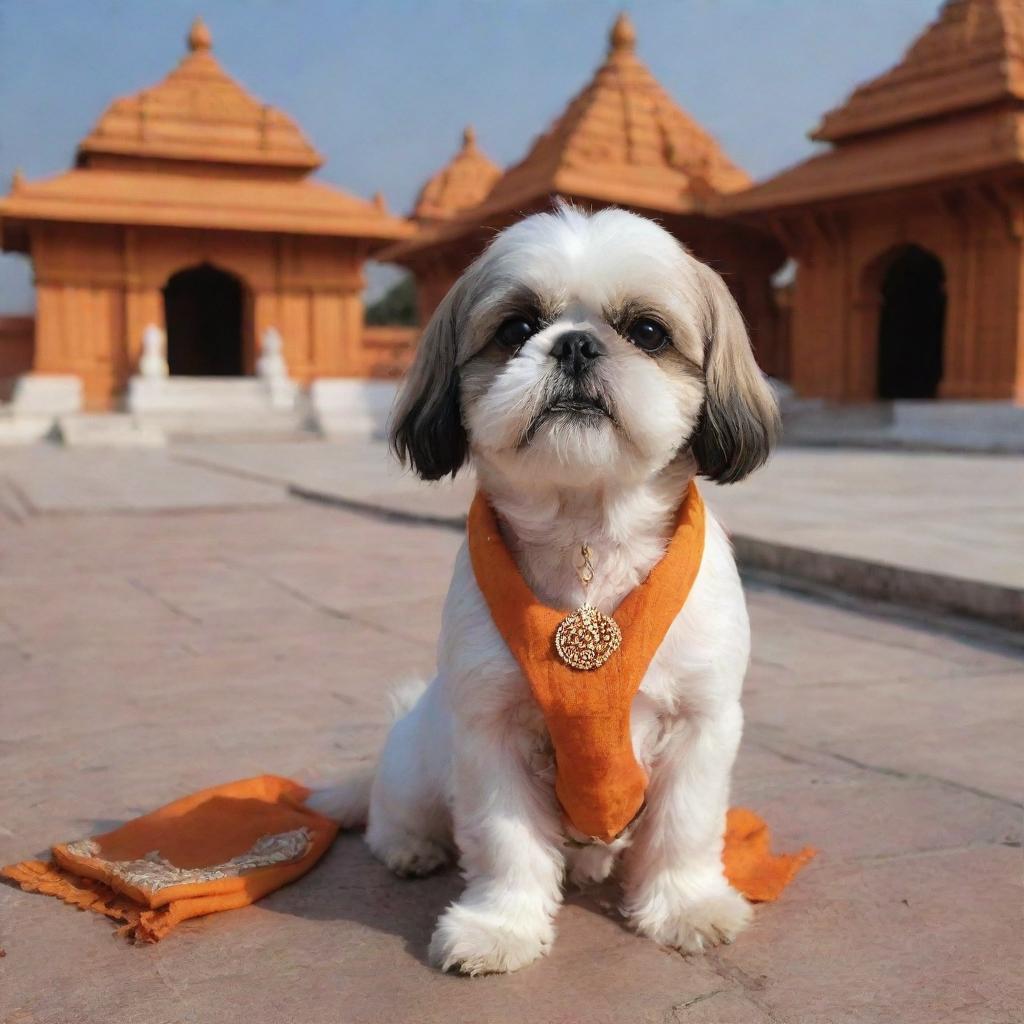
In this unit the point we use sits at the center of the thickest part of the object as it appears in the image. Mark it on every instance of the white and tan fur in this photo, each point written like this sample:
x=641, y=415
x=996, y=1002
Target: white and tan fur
x=467, y=770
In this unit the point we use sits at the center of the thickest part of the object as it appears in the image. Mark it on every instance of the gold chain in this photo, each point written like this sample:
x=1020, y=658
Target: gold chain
x=586, y=570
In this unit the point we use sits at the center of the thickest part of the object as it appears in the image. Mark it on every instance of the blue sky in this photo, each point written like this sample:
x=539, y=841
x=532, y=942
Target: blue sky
x=383, y=87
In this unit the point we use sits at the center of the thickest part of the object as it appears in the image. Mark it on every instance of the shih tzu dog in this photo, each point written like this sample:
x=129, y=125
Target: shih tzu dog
x=590, y=367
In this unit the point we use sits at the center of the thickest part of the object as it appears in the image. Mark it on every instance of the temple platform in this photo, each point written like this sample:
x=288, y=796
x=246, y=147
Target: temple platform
x=922, y=425
x=186, y=406
x=157, y=408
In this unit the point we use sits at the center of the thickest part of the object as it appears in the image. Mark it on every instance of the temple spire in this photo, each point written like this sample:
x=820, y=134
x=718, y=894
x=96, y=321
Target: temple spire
x=198, y=112
x=199, y=38
x=460, y=185
x=969, y=57
x=621, y=139
x=622, y=38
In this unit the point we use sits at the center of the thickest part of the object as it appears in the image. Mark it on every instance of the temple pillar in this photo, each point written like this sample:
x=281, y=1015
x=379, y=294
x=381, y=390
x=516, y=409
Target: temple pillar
x=960, y=265
x=1017, y=350
x=80, y=330
x=819, y=332
x=328, y=326
x=985, y=299
x=352, y=358
x=752, y=287
x=434, y=279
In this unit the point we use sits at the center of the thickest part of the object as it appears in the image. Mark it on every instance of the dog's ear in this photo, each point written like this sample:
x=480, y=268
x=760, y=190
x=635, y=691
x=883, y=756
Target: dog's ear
x=739, y=423
x=426, y=430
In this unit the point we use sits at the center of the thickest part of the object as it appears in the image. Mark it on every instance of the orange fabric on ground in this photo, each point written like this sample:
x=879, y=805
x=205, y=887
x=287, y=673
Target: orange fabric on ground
x=218, y=849
x=207, y=830
x=750, y=866
x=598, y=781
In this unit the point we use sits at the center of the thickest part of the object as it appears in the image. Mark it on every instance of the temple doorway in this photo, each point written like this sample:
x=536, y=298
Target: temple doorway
x=203, y=314
x=911, y=325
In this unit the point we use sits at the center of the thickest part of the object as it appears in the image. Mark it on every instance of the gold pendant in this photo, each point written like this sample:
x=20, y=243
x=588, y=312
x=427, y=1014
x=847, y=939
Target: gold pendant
x=587, y=638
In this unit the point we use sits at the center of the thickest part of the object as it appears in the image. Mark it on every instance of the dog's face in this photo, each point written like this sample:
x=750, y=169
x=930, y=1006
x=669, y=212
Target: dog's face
x=580, y=350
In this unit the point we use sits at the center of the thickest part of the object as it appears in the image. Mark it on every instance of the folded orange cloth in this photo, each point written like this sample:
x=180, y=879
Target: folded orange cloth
x=218, y=849
x=226, y=847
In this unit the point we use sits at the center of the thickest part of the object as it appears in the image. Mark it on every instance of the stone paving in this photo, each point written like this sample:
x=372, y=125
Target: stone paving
x=46, y=478
x=144, y=654
x=961, y=515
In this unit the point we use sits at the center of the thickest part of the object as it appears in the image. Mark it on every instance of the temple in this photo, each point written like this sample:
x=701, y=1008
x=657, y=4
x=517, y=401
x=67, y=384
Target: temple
x=191, y=208
x=191, y=242
x=623, y=141
x=908, y=231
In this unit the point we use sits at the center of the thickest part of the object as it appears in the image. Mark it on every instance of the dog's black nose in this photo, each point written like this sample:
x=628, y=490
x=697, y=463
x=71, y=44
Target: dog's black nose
x=575, y=351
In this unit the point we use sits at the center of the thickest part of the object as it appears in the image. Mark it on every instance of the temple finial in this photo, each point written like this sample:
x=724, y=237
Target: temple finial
x=199, y=38
x=622, y=38
x=17, y=179
x=380, y=202
x=468, y=137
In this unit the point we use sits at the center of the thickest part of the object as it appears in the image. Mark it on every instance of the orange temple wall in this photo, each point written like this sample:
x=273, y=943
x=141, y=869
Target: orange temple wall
x=98, y=287
x=837, y=296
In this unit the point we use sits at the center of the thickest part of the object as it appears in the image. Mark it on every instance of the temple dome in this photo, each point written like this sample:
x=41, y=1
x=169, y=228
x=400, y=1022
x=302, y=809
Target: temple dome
x=459, y=185
x=198, y=113
x=623, y=139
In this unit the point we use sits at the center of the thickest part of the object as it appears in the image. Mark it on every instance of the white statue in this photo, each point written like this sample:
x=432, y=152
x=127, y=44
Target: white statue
x=153, y=362
x=271, y=365
x=273, y=371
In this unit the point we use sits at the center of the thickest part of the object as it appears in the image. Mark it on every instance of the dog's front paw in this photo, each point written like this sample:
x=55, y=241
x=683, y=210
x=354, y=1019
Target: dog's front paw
x=409, y=856
x=589, y=865
x=692, y=925
x=477, y=940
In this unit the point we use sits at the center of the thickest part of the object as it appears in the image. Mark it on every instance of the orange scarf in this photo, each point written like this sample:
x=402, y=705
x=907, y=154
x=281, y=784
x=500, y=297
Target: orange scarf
x=598, y=781
x=218, y=849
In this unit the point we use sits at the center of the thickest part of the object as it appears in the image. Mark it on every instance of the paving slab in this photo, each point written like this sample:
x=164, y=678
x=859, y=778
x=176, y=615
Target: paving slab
x=939, y=531
x=356, y=473
x=961, y=514
x=144, y=656
x=934, y=530
x=50, y=479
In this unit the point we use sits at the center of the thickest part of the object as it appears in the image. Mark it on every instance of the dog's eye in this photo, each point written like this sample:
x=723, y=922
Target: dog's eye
x=514, y=333
x=647, y=335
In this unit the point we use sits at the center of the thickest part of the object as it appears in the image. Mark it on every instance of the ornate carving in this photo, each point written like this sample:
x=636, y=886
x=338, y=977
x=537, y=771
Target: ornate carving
x=153, y=872
x=587, y=639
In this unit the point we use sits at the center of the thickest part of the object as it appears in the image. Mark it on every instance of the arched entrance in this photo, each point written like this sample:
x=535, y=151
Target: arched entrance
x=203, y=314
x=911, y=325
